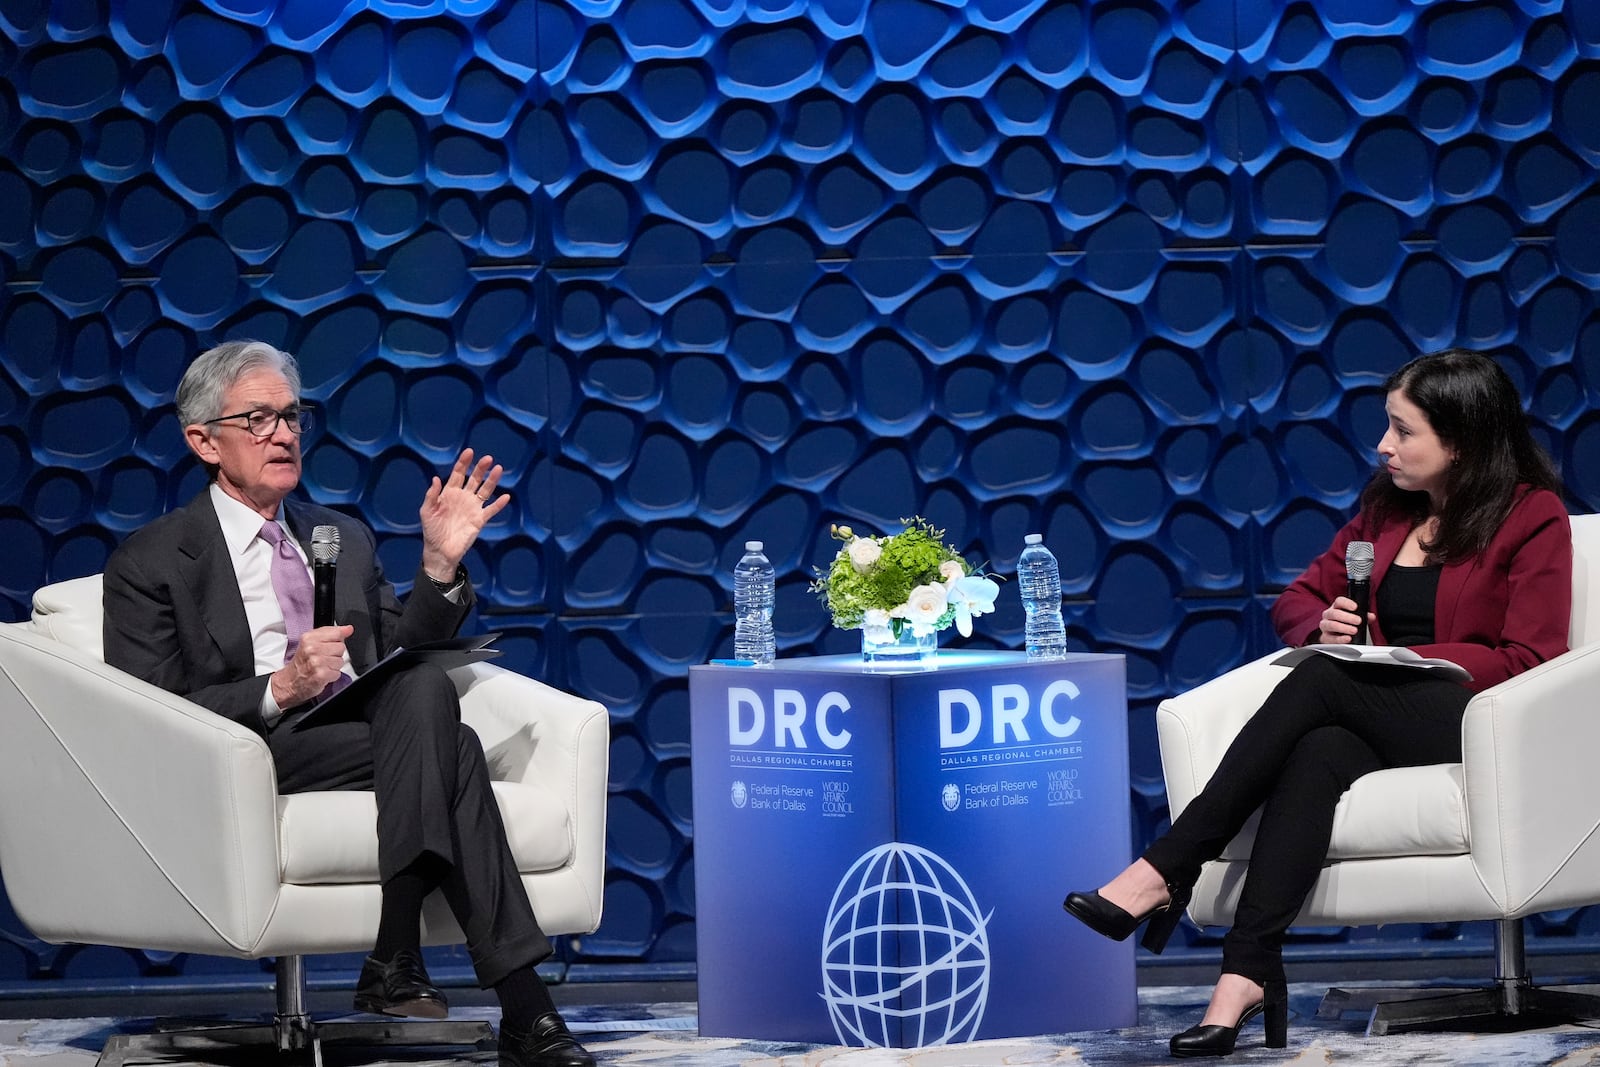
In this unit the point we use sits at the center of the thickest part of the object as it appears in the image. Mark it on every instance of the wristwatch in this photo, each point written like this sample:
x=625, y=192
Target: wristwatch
x=445, y=587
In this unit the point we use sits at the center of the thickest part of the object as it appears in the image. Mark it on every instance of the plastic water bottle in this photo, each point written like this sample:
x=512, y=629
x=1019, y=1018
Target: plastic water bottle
x=754, y=582
x=1039, y=580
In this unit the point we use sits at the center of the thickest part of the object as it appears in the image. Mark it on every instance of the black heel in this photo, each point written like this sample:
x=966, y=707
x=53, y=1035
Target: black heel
x=1108, y=920
x=1165, y=919
x=1215, y=1040
x=1276, y=1013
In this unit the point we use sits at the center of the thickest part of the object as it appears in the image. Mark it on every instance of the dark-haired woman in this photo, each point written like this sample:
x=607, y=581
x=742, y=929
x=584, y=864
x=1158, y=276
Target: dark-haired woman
x=1473, y=563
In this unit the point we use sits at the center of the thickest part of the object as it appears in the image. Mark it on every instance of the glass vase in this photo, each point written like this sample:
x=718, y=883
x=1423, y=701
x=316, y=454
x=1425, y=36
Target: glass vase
x=907, y=651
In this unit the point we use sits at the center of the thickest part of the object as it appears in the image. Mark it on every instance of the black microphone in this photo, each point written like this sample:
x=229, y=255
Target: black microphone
x=324, y=563
x=1358, y=575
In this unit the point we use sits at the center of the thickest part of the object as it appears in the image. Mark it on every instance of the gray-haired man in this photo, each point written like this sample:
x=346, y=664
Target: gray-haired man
x=205, y=602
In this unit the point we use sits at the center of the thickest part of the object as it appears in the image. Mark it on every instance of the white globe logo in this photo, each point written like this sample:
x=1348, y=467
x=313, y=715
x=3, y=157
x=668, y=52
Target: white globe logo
x=904, y=949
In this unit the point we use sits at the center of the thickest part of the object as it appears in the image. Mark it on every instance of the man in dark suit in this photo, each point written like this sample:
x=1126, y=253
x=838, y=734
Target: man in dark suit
x=213, y=602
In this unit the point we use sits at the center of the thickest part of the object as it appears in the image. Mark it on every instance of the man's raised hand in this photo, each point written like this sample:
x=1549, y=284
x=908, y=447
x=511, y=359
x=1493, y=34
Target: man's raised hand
x=456, y=510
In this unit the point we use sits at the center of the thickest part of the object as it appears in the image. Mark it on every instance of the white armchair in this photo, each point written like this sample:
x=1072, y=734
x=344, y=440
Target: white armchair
x=132, y=817
x=1508, y=832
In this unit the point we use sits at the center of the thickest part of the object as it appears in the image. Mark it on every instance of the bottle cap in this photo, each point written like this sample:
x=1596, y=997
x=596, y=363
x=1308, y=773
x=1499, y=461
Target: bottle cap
x=753, y=546
x=1033, y=539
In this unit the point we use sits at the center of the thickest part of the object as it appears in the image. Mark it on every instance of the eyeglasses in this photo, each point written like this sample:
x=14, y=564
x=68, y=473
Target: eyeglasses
x=263, y=422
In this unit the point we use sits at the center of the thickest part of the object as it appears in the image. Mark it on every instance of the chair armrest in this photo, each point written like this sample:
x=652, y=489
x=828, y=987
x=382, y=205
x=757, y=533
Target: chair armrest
x=532, y=732
x=1195, y=728
x=1528, y=749
x=129, y=816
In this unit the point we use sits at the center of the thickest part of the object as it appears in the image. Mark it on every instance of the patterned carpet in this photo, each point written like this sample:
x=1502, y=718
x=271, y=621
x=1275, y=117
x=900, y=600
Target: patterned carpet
x=664, y=1035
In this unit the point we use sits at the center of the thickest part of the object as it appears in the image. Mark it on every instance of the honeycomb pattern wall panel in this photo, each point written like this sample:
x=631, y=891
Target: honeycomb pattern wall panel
x=1129, y=273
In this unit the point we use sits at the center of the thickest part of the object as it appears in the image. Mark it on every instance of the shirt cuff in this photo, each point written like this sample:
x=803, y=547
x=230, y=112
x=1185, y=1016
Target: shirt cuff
x=269, y=705
x=451, y=590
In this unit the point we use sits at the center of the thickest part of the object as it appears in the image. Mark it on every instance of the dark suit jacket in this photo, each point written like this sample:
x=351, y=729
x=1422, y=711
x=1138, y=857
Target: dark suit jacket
x=174, y=616
x=1496, y=614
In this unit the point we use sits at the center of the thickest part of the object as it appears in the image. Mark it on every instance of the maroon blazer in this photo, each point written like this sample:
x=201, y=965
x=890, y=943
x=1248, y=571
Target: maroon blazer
x=1497, y=613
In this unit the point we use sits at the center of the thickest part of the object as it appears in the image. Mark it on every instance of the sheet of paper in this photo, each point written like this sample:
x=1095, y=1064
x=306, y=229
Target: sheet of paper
x=1393, y=655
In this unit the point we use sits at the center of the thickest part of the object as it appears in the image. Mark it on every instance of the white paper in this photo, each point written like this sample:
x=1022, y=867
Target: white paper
x=1394, y=655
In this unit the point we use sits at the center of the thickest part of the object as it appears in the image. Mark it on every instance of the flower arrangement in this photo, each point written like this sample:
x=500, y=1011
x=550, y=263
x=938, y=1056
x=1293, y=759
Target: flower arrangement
x=881, y=585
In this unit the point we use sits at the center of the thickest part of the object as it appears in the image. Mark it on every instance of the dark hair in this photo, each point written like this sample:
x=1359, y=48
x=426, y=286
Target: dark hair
x=1474, y=409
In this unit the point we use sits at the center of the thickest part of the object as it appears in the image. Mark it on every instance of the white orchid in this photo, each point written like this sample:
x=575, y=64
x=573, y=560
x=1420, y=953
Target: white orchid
x=971, y=596
x=923, y=609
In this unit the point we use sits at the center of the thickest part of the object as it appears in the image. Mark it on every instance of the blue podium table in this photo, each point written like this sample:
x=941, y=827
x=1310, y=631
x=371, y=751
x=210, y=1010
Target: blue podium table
x=880, y=855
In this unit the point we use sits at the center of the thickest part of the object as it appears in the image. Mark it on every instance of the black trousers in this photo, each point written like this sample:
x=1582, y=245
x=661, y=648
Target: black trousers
x=1325, y=725
x=432, y=784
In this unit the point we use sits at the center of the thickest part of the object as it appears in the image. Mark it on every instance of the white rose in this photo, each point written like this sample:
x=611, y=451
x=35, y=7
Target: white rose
x=864, y=552
x=923, y=608
x=950, y=570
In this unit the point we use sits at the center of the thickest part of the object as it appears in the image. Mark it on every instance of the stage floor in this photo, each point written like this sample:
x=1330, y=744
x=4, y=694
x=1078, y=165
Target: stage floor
x=654, y=1023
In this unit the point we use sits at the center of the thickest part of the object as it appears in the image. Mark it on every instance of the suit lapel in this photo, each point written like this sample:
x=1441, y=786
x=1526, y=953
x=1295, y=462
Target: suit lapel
x=302, y=525
x=1452, y=583
x=209, y=577
x=1390, y=538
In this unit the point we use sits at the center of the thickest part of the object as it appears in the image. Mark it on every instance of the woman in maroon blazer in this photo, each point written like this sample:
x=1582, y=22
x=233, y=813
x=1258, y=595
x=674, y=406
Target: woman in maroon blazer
x=1472, y=563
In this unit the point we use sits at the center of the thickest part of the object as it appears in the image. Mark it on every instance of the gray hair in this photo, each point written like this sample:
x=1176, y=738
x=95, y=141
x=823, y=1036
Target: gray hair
x=216, y=370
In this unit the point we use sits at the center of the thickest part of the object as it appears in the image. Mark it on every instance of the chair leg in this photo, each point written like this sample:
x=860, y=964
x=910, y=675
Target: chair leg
x=292, y=1032
x=1513, y=1002
x=292, y=1029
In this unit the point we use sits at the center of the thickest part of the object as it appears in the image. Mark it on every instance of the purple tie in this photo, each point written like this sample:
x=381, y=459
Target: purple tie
x=292, y=582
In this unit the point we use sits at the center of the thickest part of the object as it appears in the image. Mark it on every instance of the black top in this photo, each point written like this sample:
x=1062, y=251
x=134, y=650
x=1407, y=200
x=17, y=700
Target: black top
x=1405, y=604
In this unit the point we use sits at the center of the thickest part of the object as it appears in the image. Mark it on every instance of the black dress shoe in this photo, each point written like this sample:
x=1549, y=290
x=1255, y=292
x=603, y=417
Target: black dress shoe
x=1215, y=1040
x=1108, y=920
x=548, y=1044
x=399, y=987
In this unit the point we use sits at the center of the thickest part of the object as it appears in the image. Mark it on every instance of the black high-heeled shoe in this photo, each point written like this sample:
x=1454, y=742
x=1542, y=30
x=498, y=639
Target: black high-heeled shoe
x=1108, y=920
x=1215, y=1040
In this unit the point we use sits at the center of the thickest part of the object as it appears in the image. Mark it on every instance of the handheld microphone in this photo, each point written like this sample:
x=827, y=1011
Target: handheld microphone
x=324, y=562
x=1358, y=575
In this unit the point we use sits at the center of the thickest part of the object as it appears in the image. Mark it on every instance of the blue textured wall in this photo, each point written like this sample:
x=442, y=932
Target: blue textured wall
x=1129, y=273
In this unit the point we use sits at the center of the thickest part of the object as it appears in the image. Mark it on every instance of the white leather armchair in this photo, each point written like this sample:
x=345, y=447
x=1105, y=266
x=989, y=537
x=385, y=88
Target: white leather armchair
x=132, y=817
x=1508, y=832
